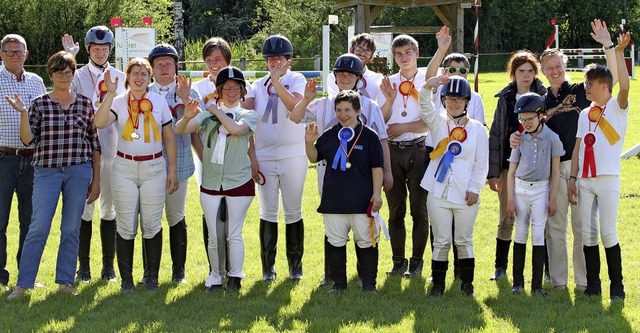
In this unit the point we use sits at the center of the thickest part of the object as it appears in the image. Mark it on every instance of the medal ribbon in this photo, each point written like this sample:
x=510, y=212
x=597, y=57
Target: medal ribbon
x=372, y=225
x=210, y=97
x=272, y=106
x=341, y=155
x=407, y=89
x=453, y=149
x=456, y=134
x=589, y=163
x=596, y=115
x=135, y=108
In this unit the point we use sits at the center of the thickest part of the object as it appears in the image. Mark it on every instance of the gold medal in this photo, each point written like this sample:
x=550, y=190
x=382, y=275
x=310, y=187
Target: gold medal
x=135, y=136
x=348, y=165
x=97, y=104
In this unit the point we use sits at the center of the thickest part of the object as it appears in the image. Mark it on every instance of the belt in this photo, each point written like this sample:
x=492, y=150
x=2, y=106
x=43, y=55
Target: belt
x=139, y=158
x=405, y=144
x=16, y=151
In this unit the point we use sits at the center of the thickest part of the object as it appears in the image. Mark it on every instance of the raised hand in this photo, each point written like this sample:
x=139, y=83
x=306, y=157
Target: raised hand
x=437, y=80
x=623, y=42
x=17, y=104
x=69, y=46
x=310, y=90
x=390, y=91
x=183, y=87
x=444, y=38
x=600, y=33
x=311, y=133
x=191, y=109
x=280, y=70
x=112, y=86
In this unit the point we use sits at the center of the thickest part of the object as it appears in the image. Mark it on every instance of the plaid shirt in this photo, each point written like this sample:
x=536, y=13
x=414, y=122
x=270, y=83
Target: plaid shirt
x=29, y=87
x=62, y=137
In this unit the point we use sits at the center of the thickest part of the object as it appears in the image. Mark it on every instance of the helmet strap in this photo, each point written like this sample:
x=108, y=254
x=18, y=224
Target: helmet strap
x=537, y=127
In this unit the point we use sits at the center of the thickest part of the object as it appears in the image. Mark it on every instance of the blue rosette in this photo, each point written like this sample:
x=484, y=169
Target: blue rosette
x=454, y=148
x=345, y=135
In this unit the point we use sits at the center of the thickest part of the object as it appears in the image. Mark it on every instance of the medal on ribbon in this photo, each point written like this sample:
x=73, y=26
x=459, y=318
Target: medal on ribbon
x=456, y=134
x=102, y=91
x=272, y=106
x=596, y=115
x=135, y=108
x=407, y=89
x=345, y=135
x=454, y=148
x=589, y=163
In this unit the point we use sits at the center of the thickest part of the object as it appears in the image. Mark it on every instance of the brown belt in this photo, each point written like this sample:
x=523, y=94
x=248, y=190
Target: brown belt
x=139, y=158
x=15, y=151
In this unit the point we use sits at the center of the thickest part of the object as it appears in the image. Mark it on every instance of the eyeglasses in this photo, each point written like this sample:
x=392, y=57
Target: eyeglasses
x=12, y=53
x=234, y=88
x=63, y=74
x=526, y=120
x=362, y=50
x=588, y=85
x=457, y=70
x=454, y=100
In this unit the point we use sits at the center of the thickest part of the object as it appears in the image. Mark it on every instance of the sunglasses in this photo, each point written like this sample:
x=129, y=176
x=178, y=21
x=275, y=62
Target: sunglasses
x=457, y=70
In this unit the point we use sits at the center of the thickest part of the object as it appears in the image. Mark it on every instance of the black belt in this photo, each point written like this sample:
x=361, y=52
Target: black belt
x=15, y=151
x=406, y=144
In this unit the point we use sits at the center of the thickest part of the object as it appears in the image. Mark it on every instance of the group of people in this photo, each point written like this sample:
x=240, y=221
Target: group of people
x=129, y=139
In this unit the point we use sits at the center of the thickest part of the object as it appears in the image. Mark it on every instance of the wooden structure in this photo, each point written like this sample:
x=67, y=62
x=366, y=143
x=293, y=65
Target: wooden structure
x=450, y=13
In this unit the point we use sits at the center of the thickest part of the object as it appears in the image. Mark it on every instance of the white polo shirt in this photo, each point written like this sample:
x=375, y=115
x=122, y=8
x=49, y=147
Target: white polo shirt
x=161, y=114
x=284, y=139
x=468, y=171
x=86, y=82
x=607, y=157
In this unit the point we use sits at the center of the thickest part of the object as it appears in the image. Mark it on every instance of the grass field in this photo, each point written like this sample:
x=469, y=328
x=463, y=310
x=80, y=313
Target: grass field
x=399, y=306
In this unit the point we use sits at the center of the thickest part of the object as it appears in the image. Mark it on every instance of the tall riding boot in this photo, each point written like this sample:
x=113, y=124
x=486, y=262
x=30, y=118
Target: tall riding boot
x=205, y=237
x=537, y=270
x=144, y=262
x=547, y=275
x=124, y=249
x=467, y=268
x=268, y=242
x=614, y=262
x=592, y=264
x=178, y=244
x=221, y=233
x=295, y=248
x=108, y=238
x=438, y=274
x=502, y=258
x=519, y=255
x=84, y=248
x=327, y=268
x=154, y=254
x=456, y=262
x=368, y=261
x=338, y=263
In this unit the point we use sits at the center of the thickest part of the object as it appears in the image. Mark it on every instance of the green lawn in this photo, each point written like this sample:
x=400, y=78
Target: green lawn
x=399, y=306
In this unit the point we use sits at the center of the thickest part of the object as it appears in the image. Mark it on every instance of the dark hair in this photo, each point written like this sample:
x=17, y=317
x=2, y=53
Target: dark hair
x=217, y=43
x=348, y=96
x=404, y=40
x=520, y=58
x=599, y=73
x=220, y=86
x=138, y=61
x=59, y=61
x=366, y=40
x=457, y=57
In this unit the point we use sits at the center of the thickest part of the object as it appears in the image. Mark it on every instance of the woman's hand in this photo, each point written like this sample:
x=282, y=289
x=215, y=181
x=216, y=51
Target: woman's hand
x=471, y=198
x=191, y=109
x=112, y=86
x=17, y=104
x=311, y=133
x=94, y=192
x=172, y=182
x=376, y=202
x=310, y=90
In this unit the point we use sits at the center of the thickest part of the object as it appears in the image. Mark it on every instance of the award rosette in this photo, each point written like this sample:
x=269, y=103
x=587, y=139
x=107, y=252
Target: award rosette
x=102, y=91
x=456, y=134
x=589, y=163
x=362, y=87
x=345, y=135
x=135, y=108
x=272, y=106
x=596, y=115
x=407, y=89
x=454, y=148
x=176, y=110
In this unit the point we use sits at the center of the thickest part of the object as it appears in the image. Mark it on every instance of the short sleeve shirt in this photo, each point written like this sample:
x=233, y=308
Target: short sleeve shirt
x=534, y=155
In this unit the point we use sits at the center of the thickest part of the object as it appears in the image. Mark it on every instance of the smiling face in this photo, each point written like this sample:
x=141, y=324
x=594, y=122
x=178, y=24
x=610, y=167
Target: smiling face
x=406, y=57
x=232, y=93
x=215, y=61
x=346, y=80
x=346, y=114
x=363, y=52
x=455, y=106
x=62, y=79
x=138, y=79
x=99, y=54
x=553, y=69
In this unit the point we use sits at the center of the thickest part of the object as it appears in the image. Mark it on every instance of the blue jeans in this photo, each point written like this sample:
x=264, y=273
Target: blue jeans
x=73, y=182
x=16, y=176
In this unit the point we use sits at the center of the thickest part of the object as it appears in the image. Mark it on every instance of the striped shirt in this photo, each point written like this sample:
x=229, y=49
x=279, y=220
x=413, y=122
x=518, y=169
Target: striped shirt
x=28, y=88
x=62, y=137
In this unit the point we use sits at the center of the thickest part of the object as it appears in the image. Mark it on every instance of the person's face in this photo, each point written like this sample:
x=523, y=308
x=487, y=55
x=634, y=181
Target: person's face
x=345, y=113
x=99, y=53
x=346, y=80
x=138, y=79
x=460, y=68
x=231, y=93
x=525, y=75
x=594, y=89
x=554, y=70
x=275, y=62
x=164, y=70
x=529, y=120
x=406, y=57
x=214, y=62
x=455, y=106
x=363, y=52
x=62, y=79
x=13, y=56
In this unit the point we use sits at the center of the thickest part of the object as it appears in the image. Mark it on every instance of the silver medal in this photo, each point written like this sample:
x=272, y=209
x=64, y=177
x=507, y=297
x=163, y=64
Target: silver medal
x=135, y=136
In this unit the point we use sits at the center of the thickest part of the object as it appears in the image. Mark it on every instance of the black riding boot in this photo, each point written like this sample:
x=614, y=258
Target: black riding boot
x=467, y=268
x=368, y=262
x=154, y=254
x=268, y=242
x=438, y=274
x=295, y=249
x=502, y=258
x=178, y=244
x=519, y=257
x=124, y=249
x=338, y=264
x=144, y=262
x=400, y=266
x=221, y=233
x=592, y=263
x=614, y=262
x=327, y=268
x=537, y=270
x=108, y=238
x=84, y=248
